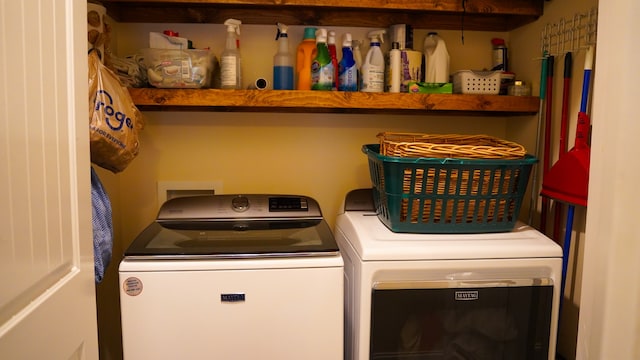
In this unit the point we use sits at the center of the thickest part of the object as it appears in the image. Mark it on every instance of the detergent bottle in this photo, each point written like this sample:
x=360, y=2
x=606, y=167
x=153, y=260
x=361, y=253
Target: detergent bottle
x=333, y=52
x=282, y=61
x=230, y=64
x=322, y=72
x=436, y=59
x=347, y=67
x=373, y=66
x=305, y=54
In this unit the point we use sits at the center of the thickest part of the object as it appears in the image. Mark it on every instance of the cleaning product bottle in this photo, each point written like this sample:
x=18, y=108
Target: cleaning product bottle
x=373, y=66
x=333, y=52
x=322, y=72
x=393, y=69
x=282, y=61
x=436, y=58
x=305, y=54
x=357, y=56
x=499, y=55
x=347, y=67
x=230, y=69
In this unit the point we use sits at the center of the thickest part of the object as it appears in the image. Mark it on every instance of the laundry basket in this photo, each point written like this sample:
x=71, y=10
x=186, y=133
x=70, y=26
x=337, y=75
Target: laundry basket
x=445, y=195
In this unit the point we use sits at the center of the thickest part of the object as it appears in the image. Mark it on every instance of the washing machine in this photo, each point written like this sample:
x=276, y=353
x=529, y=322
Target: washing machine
x=233, y=277
x=446, y=296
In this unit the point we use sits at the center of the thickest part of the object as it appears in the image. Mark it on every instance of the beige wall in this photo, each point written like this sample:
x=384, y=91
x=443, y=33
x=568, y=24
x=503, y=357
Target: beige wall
x=312, y=154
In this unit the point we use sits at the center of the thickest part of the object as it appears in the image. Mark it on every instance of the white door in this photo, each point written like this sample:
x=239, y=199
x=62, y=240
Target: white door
x=47, y=291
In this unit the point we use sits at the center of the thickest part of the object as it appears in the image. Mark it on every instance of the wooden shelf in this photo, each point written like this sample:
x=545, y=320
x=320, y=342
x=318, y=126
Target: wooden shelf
x=481, y=15
x=330, y=102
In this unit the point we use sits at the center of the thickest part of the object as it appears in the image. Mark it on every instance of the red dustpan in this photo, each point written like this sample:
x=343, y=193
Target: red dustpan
x=568, y=179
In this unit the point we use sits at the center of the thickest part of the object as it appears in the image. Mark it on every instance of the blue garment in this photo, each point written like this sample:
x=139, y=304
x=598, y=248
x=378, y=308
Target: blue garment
x=102, y=227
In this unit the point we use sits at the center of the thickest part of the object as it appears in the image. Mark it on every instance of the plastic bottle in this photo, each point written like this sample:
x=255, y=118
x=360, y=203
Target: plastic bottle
x=394, y=70
x=282, y=61
x=357, y=56
x=347, y=67
x=322, y=72
x=373, y=66
x=499, y=55
x=305, y=54
x=333, y=52
x=230, y=62
x=436, y=58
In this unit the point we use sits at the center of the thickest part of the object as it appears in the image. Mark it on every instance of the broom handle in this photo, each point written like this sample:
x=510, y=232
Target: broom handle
x=533, y=202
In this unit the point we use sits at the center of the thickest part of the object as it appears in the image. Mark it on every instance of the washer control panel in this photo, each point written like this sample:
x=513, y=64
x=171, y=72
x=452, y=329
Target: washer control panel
x=226, y=207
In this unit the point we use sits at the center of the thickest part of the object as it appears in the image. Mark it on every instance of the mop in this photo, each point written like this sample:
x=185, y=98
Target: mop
x=568, y=179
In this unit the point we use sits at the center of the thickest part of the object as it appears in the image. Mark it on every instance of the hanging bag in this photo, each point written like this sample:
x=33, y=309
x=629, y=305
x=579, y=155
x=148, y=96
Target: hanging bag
x=114, y=120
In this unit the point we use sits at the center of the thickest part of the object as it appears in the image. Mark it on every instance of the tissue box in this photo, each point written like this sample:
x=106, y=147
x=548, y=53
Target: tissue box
x=430, y=88
x=179, y=68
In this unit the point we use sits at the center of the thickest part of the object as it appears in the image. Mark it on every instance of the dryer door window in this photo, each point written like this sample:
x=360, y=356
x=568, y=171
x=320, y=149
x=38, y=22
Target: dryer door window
x=508, y=319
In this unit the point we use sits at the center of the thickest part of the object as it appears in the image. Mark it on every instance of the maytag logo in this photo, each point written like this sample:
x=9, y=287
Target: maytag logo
x=467, y=295
x=233, y=297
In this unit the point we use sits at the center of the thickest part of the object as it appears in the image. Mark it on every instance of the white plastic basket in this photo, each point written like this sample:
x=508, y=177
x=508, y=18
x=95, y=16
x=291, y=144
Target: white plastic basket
x=476, y=82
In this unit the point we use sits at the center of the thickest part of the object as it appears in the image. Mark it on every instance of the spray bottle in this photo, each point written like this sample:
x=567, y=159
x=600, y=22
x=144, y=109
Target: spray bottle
x=373, y=66
x=322, y=72
x=282, y=61
x=230, y=69
x=333, y=52
x=348, y=70
x=306, y=52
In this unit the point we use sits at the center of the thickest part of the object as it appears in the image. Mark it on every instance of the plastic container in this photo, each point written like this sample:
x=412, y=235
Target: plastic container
x=373, y=65
x=168, y=68
x=394, y=72
x=433, y=195
x=477, y=82
x=347, y=67
x=436, y=58
x=499, y=55
x=322, y=71
x=333, y=52
x=230, y=62
x=282, y=61
x=305, y=54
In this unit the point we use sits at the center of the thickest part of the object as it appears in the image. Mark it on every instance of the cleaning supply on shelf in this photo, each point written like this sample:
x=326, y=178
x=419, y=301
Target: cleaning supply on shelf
x=394, y=68
x=333, y=52
x=322, y=72
x=437, y=59
x=373, y=66
x=499, y=58
x=347, y=67
x=282, y=61
x=305, y=54
x=230, y=61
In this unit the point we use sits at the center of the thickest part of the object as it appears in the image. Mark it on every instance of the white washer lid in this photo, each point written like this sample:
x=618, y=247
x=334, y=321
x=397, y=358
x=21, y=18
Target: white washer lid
x=372, y=240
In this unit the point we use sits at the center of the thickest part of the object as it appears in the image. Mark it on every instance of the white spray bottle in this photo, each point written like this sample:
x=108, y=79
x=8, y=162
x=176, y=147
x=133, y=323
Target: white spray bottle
x=282, y=61
x=230, y=69
x=373, y=66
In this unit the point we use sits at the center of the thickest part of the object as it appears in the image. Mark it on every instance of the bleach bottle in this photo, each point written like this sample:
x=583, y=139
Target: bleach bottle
x=322, y=71
x=230, y=69
x=347, y=67
x=282, y=61
x=306, y=52
x=373, y=66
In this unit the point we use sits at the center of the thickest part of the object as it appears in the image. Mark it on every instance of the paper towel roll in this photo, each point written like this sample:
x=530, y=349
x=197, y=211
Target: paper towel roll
x=95, y=28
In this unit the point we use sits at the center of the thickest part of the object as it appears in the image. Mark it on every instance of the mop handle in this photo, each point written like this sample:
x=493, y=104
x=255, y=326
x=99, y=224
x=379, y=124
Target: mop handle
x=588, y=67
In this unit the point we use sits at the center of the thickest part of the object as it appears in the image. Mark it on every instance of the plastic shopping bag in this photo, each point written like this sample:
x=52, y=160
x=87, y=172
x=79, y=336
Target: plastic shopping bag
x=114, y=120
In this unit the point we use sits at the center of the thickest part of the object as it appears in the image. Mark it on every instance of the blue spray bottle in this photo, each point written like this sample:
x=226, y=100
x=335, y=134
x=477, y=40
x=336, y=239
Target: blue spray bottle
x=282, y=61
x=347, y=68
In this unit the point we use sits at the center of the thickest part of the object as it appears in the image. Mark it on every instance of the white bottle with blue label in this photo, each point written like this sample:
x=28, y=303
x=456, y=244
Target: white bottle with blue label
x=373, y=66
